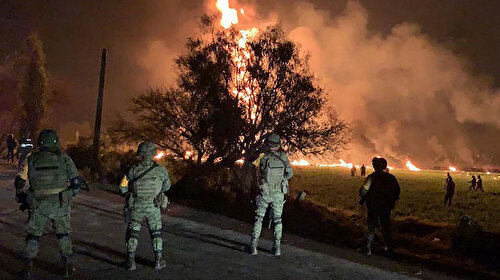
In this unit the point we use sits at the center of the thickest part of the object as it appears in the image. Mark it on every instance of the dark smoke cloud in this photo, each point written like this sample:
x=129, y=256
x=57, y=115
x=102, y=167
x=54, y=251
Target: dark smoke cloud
x=392, y=69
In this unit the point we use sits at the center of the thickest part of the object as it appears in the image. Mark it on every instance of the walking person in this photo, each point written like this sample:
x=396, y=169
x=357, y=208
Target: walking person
x=379, y=192
x=479, y=185
x=363, y=170
x=450, y=190
x=11, y=145
x=473, y=183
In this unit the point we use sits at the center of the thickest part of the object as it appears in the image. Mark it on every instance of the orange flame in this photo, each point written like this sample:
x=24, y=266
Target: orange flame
x=452, y=169
x=159, y=155
x=229, y=15
x=242, y=85
x=411, y=166
x=301, y=162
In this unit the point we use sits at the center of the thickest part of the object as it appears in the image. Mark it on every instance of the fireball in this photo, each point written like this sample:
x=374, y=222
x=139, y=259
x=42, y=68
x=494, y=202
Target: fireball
x=452, y=169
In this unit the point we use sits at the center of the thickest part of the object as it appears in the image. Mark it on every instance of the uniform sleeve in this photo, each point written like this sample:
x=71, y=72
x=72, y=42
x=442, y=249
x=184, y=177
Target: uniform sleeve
x=288, y=168
x=363, y=191
x=263, y=161
x=166, y=181
x=71, y=170
x=257, y=161
x=23, y=172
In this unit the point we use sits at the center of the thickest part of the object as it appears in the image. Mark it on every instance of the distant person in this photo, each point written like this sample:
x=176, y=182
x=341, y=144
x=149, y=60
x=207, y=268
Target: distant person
x=380, y=192
x=450, y=190
x=353, y=171
x=473, y=184
x=479, y=185
x=363, y=170
x=26, y=145
x=11, y=145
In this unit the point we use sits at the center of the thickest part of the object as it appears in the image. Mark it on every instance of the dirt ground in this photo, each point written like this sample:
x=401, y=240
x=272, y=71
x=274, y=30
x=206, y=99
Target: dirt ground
x=198, y=245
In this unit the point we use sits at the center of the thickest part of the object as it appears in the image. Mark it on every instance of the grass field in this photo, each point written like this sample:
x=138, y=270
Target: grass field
x=422, y=194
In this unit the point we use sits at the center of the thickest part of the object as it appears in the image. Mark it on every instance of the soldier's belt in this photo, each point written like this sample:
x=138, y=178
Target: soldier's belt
x=49, y=191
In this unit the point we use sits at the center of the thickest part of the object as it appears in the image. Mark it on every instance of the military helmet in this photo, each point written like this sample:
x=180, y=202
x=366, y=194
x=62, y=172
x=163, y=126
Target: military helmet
x=48, y=139
x=273, y=140
x=146, y=149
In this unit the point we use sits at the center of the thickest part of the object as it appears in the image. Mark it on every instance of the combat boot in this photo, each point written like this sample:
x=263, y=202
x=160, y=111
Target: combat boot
x=159, y=261
x=253, y=246
x=27, y=273
x=131, y=261
x=68, y=268
x=276, y=248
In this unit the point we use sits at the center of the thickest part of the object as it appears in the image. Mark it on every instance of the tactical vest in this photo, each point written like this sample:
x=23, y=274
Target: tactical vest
x=274, y=172
x=148, y=187
x=47, y=173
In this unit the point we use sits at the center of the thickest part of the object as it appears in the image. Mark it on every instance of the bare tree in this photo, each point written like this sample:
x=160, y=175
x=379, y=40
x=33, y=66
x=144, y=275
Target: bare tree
x=230, y=95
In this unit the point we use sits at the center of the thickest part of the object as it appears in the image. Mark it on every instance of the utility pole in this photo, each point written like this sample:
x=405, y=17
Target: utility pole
x=98, y=113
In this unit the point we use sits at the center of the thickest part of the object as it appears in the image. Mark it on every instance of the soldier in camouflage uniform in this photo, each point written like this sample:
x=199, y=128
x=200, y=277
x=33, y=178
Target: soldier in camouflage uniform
x=274, y=173
x=53, y=181
x=143, y=186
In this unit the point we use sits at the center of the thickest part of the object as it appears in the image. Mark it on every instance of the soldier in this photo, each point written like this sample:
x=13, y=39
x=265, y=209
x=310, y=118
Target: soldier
x=473, y=184
x=26, y=146
x=144, y=187
x=274, y=173
x=353, y=171
x=11, y=145
x=479, y=185
x=450, y=190
x=380, y=193
x=48, y=197
x=363, y=170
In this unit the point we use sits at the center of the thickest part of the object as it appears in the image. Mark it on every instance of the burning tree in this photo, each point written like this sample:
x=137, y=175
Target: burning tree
x=234, y=87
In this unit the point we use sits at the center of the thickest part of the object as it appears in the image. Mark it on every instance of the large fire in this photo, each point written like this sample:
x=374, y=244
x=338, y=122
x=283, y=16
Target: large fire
x=452, y=169
x=411, y=166
x=242, y=86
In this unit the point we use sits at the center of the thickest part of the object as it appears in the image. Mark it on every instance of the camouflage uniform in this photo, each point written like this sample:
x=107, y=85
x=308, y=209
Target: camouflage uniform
x=141, y=197
x=48, y=197
x=275, y=171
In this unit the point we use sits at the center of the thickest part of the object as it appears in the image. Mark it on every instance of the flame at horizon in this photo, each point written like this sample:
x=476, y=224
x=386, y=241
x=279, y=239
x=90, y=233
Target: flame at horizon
x=411, y=166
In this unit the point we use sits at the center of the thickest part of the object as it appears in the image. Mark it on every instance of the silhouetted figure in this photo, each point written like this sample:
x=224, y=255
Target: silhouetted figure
x=380, y=192
x=473, y=184
x=479, y=185
x=26, y=145
x=11, y=145
x=353, y=171
x=363, y=170
x=450, y=190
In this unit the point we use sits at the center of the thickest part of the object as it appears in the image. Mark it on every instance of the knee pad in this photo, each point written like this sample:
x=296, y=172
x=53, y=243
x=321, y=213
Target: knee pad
x=132, y=233
x=155, y=234
x=277, y=221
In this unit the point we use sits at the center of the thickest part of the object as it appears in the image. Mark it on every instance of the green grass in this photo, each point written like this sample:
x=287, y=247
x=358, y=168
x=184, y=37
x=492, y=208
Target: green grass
x=422, y=194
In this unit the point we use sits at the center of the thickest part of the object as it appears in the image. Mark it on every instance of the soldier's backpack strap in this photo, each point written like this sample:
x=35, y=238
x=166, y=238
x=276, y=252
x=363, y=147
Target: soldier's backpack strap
x=280, y=159
x=137, y=178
